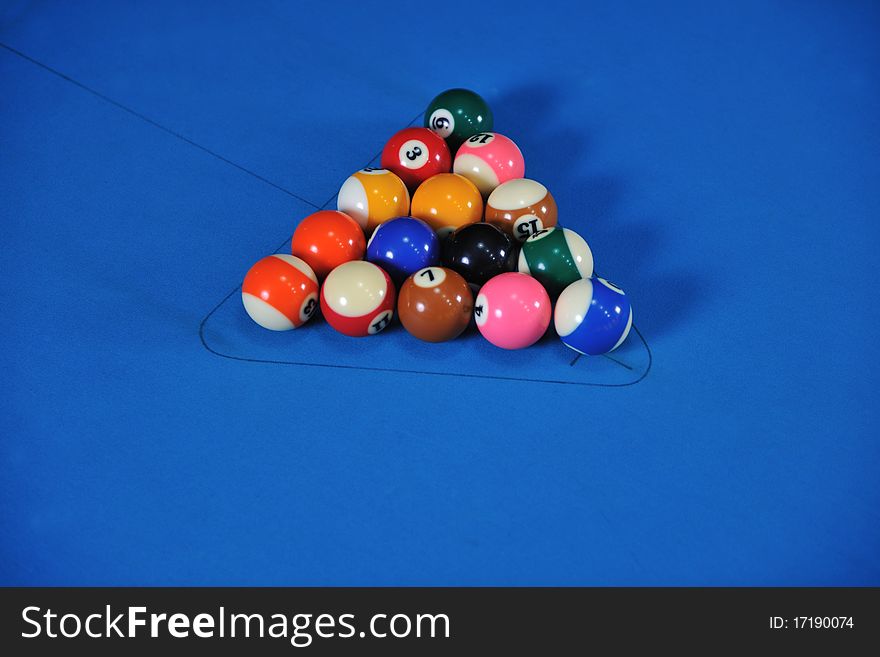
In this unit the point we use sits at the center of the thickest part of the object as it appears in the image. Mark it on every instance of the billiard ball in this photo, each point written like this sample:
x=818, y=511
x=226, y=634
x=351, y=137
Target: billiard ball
x=357, y=298
x=326, y=239
x=280, y=292
x=402, y=246
x=521, y=207
x=373, y=196
x=458, y=114
x=488, y=159
x=447, y=201
x=416, y=154
x=557, y=257
x=512, y=311
x=479, y=251
x=593, y=316
x=435, y=304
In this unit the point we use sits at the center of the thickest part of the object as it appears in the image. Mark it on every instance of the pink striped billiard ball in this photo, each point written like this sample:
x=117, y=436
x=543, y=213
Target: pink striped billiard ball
x=357, y=298
x=488, y=159
x=512, y=310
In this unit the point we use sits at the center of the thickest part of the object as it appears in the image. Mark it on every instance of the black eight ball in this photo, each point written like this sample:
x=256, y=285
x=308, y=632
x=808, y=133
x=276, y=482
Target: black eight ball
x=480, y=251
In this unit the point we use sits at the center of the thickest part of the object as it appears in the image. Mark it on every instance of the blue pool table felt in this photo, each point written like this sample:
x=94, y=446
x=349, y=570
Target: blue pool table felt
x=722, y=160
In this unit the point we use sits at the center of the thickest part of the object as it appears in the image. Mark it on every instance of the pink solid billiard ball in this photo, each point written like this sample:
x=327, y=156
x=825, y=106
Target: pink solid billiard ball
x=512, y=310
x=488, y=159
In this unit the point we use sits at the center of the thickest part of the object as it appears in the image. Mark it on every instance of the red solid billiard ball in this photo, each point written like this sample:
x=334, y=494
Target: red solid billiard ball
x=416, y=154
x=357, y=298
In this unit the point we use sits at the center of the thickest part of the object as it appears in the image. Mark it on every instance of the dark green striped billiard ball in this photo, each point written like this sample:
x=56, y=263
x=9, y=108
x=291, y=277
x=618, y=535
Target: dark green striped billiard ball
x=557, y=257
x=458, y=114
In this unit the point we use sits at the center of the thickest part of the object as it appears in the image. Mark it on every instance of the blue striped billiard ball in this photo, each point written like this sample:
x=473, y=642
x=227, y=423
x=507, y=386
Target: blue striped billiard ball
x=593, y=316
x=403, y=246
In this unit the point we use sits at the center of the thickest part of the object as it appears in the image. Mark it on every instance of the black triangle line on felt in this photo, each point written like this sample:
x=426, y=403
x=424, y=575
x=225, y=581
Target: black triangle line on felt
x=156, y=124
x=394, y=370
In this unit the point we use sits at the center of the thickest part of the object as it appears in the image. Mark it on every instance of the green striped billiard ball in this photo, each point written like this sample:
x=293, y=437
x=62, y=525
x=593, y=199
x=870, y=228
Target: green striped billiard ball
x=557, y=257
x=458, y=114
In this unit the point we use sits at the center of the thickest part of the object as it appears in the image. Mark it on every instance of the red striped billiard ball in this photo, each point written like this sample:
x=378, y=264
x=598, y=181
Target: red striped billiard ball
x=357, y=298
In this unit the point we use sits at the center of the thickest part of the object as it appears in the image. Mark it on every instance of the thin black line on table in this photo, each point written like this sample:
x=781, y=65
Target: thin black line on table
x=394, y=370
x=288, y=239
x=156, y=124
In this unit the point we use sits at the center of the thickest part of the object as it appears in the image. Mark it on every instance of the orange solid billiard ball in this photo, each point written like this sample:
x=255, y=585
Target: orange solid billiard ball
x=326, y=239
x=447, y=201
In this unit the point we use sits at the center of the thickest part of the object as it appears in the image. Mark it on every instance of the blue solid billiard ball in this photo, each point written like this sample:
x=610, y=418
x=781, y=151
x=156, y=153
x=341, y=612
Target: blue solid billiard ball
x=593, y=316
x=403, y=246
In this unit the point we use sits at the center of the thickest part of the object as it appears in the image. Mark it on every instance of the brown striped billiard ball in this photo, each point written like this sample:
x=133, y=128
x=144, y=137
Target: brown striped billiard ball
x=521, y=208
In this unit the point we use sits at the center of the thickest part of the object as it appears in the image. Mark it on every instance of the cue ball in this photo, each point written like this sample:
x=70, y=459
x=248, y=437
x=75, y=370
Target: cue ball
x=480, y=251
x=435, y=304
x=488, y=159
x=280, y=292
x=357, y=299
x=373, y=196
x=593, y=316
x=327, y=238
x=447, y=201
x=512, y=311
x=403, y=246
x=416, y=154
x=557, y=257
x=521, y=207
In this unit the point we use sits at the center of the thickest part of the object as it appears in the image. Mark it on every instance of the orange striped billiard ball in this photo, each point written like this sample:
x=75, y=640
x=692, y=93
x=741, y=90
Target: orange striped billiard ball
x=280, y=292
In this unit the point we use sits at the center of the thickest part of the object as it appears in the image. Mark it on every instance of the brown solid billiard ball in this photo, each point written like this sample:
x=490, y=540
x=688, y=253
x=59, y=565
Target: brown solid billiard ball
x=521, y=208
x=435, y=304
